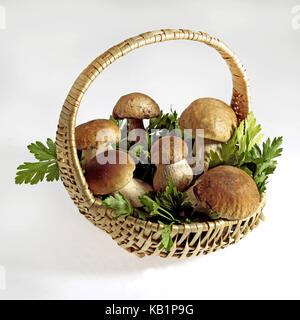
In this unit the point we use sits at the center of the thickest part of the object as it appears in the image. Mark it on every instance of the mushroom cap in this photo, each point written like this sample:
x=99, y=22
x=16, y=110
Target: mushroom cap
x=136, y=106
x=214, y=116
x=111, y=176
x=168, y=150
x=229, y=191
x=95, y=133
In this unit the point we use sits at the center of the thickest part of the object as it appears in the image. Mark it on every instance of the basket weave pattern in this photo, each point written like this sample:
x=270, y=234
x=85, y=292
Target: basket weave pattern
x=134, y=235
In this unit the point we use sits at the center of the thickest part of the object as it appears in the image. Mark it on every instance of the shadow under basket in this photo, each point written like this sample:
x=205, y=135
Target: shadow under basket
x=137, y=236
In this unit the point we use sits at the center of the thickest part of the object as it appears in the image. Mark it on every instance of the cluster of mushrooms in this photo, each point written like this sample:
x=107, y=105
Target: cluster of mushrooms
x=227, y=190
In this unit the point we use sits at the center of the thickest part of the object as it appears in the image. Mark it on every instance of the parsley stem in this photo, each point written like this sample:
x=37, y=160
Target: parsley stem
x=169, y=214
x=162, y=215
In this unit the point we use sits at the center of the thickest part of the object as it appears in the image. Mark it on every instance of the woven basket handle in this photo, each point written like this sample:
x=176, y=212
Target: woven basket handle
x=70, y=170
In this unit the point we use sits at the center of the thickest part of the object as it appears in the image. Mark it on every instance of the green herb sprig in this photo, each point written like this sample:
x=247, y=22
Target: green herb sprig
x=116, y=121
x=173, y=200
x=166, y=239
x=213, y=215
x=242, y=141
x=162, y=207
x=260, y=163
x=46, y=166
x=120, y=204
x=169, y=121
x=243, y=151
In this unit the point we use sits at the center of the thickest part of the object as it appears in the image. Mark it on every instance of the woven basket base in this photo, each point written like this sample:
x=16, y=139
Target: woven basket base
x=143, y=238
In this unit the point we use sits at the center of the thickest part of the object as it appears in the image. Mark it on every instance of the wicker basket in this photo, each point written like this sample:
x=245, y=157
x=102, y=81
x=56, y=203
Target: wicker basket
x=137, y=236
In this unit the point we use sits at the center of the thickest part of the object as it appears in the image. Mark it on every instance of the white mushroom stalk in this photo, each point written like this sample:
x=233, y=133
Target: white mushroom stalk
x=168, y=153
x=209, y=145
x=179, y=172
x=135, y=189
x=135, y=124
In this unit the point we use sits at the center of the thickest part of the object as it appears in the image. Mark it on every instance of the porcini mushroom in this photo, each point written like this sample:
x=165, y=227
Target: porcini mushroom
x=115, y=175
x=96, y=136
x=228, y=191
x=192, y=198
x=136, y=107
x=168, y=153
x=216, y=118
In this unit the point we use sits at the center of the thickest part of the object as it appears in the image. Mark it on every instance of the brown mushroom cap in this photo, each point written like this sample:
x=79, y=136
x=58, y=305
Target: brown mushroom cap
x=95, y=133
x=229, y=191
x=168, y=150
x=111, y=176
x=136, y=106
x=214, y=116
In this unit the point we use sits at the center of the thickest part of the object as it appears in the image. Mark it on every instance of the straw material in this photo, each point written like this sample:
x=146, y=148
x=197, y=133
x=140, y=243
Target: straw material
x=137, y=236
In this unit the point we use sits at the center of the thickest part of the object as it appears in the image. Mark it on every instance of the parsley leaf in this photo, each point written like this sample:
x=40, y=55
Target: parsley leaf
x=139, y=152
x=120, y=204
x=243, y=139
x=154, y=209
x=213, y=215
x=173, y=200
x=34, y=172
x=123, y=208
x=243, y=151
x=117, y=122
x=169, y=121
x=167, y=206
x=261, y=163
x=142, y=214
x=166, y=239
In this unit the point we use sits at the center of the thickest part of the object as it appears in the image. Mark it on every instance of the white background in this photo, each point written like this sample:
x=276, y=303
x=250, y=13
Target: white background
x=46, y=247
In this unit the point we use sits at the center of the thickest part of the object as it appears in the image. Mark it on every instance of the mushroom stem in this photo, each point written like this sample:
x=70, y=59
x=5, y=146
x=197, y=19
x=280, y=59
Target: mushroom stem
x=138, y=124
x=135, y=189
x=180, y=173
x=209, y=145
x=135, y=124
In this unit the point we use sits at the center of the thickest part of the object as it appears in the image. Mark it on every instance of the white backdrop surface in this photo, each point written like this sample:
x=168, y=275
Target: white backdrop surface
x=47, y=249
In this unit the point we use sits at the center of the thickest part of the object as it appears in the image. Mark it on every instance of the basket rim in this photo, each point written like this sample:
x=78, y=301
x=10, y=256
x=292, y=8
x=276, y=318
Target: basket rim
x=187, y=227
